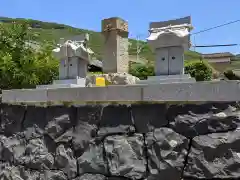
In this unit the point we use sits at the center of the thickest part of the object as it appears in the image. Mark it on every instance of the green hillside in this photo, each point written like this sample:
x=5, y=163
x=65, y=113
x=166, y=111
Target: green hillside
x=52, y=32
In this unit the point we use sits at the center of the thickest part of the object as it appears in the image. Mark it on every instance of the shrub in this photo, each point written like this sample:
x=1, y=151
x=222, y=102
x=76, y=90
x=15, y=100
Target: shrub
x=200, y=70
x=142, y=71
x=20, y=65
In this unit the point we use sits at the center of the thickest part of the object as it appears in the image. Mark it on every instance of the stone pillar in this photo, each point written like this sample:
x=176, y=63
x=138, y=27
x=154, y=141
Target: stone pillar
x=115, y=57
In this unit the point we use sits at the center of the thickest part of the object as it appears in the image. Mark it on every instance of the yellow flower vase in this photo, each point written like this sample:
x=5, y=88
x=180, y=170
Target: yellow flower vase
x=100, y=81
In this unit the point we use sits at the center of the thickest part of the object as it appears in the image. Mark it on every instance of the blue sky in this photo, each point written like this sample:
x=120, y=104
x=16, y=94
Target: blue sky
x=88, y=15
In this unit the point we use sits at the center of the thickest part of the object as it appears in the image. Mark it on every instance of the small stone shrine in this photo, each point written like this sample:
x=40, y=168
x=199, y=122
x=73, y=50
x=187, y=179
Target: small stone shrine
x=169, y=40
x=74, y=56
x=115, y=56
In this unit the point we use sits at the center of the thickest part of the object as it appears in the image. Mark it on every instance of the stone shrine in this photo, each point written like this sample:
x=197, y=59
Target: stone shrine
x=115, y=56
x=169, y=40
x=74, y=56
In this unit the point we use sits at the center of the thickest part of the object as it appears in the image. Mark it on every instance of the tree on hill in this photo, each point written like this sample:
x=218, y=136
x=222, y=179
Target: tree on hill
x=20, y=65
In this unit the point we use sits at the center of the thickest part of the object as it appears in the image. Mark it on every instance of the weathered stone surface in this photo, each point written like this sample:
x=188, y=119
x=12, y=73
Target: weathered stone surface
x=82, y=136
x=112, y=79
x=167, y=151
x=92, y=160
x=120, y=142
x=12, y=117
x=116, y=119
x=52, y=175
x=65, y=138
x=125, y=156
x=215, y=156
x=147, y=117
x=35, y=122
x=12, y=148
x=65, y=161
x=37, y=156
x=88, y=118
x=91, y=177
x=192, y=120
x=59, y=119
x=8, y=172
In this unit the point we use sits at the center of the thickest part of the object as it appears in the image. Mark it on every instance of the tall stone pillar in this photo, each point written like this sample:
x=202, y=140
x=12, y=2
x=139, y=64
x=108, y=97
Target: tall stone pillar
x=115, y=58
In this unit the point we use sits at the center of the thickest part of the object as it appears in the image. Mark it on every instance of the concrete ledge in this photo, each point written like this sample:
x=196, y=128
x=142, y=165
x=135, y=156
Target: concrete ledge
x=162, y=77
x=200, y=91
x=109, y=93
x=124, y=93
x=24, y=95
x=166, y=81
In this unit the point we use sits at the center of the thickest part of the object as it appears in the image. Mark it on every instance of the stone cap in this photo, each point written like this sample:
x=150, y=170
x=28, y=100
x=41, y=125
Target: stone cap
x=114, y=23
x=78, y=38
x=173, y=22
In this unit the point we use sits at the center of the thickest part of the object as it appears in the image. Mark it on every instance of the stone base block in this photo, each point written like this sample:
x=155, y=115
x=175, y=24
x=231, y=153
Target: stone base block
x=168, y=79
x=180, y=76
x=64, y=83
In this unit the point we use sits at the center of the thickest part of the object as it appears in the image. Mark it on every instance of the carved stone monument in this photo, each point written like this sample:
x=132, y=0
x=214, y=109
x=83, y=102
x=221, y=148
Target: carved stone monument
x=115, y=58
x=169, y=40
x=74, y=57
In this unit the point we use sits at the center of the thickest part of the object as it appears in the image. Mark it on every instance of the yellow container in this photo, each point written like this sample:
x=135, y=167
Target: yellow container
x=100, y=81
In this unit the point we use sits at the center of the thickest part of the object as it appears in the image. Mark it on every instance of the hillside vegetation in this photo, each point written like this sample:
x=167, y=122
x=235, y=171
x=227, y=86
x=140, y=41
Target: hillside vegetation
x=52, y=32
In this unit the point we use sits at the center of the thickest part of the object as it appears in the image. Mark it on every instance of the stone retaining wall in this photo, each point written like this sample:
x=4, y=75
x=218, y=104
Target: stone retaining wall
x=138, y=141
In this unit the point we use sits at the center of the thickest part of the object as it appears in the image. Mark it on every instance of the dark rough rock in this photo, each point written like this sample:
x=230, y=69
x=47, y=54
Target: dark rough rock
x=193, y=120
x=12, y=148
x=120, y=142
x=167, y=151
x=116, y=119
x=118, y=178
x=8, y=172
x=37, y=156
x=82, y=136
x=65, y=161
x=91, y=177
x=85, y=130
x=89, y=113
x=52, y=175
x=125, y=156
x=92, y=160
x=215, y=156
x=35, y=122
x=65, y=138
x=59, y=119
x=147, y=117
x=29, y=174
x=12, y=117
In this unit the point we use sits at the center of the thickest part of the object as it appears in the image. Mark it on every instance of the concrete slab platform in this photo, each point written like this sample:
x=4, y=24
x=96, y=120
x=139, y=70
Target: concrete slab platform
x=166, y=81
x=194, y=91
x=180, y=76
x=64, y=83
x=24, y=95
x=200, y=91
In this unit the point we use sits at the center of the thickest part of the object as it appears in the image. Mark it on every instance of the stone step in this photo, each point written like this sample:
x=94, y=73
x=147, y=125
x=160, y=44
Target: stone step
x=167, y=81
x=184, y=76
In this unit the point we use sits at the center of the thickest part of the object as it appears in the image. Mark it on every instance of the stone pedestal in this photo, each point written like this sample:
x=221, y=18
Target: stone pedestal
x=115, y=58
x=64, y=83
x=168, y=79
